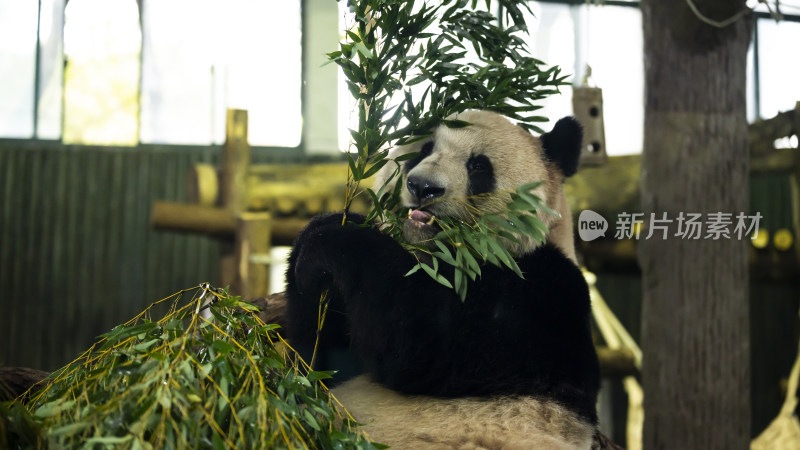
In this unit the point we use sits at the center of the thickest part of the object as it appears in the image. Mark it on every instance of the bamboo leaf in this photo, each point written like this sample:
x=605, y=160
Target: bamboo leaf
x=375, y=168
x=413, y=270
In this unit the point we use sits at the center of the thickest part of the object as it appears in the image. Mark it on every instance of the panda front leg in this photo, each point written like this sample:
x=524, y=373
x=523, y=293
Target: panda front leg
x=340, y=273
x=317, y=323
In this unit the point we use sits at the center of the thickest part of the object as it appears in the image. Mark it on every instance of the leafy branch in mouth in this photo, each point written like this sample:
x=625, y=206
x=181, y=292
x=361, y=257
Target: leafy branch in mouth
x=413, y=66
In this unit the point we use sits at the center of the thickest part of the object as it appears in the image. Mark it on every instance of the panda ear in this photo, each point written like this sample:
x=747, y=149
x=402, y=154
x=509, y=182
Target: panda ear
x=562, y=145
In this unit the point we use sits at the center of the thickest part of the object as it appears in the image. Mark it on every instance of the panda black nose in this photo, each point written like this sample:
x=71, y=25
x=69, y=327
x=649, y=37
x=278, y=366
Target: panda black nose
x=424, y=190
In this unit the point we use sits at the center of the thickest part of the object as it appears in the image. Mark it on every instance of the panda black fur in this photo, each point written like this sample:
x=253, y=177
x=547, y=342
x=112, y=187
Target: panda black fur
x=513, y=366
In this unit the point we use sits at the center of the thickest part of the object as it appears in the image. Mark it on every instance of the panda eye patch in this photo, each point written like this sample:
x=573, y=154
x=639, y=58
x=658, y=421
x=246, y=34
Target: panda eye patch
x=424, y=152
x=427, y=149
x=478, y=164
x=481, y=174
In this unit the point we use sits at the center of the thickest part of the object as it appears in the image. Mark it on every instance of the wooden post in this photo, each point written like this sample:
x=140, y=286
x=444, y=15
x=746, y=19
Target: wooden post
x=695, y=292
x=235, y=161
x=202, y=185
x=252, y=254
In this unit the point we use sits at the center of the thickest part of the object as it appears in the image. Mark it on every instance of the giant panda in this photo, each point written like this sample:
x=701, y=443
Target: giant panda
x=513, y=366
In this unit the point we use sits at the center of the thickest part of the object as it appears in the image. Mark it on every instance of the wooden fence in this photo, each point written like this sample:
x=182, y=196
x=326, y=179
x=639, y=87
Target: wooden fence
x=77, y=255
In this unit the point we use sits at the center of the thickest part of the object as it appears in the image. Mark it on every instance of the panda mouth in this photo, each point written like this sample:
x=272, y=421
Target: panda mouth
x=421, y=218
x=420, y=227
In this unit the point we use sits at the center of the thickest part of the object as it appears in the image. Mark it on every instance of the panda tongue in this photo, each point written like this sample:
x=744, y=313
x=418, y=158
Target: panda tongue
x=420, y=216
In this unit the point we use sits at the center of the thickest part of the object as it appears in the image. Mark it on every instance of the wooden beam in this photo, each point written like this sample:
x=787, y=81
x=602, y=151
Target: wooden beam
x=217, y=222
x=192, y=218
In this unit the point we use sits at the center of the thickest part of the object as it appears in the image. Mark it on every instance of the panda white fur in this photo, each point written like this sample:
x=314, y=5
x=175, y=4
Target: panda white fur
x=513, y=366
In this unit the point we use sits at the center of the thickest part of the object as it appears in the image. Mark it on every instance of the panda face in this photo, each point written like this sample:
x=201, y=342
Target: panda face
x=462, y=173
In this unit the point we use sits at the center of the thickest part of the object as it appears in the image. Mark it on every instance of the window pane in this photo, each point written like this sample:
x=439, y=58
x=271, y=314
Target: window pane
x=264, y=58
x=552, y=40
x=615, y=53
x=221, y=55
x=779, y=66
x=102, y=42
x=609, y=39
x=51, y=69
x=348, y=114
x=17, y=67
x=178, y=89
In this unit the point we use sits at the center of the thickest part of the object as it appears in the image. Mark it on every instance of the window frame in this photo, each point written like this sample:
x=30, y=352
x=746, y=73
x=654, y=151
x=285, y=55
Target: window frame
x=271, y=152
x=759, y=16
x=307, y=36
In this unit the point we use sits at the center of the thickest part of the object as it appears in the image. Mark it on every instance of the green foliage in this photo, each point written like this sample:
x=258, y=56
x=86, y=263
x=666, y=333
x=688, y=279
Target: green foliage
x=397, y=44
x=466, y=246
x=185, y=381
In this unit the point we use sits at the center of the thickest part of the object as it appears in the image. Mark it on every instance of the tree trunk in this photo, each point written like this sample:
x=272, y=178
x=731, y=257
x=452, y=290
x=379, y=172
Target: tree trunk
x=695, y=328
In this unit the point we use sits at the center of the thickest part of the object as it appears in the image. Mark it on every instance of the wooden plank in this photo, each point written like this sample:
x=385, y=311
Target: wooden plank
x=7, y=157
x=33, y=233
x=114, y=235
x=147, y=292
x=44, y=275
x=199, y=248
x=18, y=284
x=16, y=346
x=168, y=243
x=81, y=314
x=94, y=226
x=131, y=282
x=7, y=194
x=252, y=254
x=190, y=249
x=108, y=220
x=155, y=257
x=59, y=265
x=97, y=219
